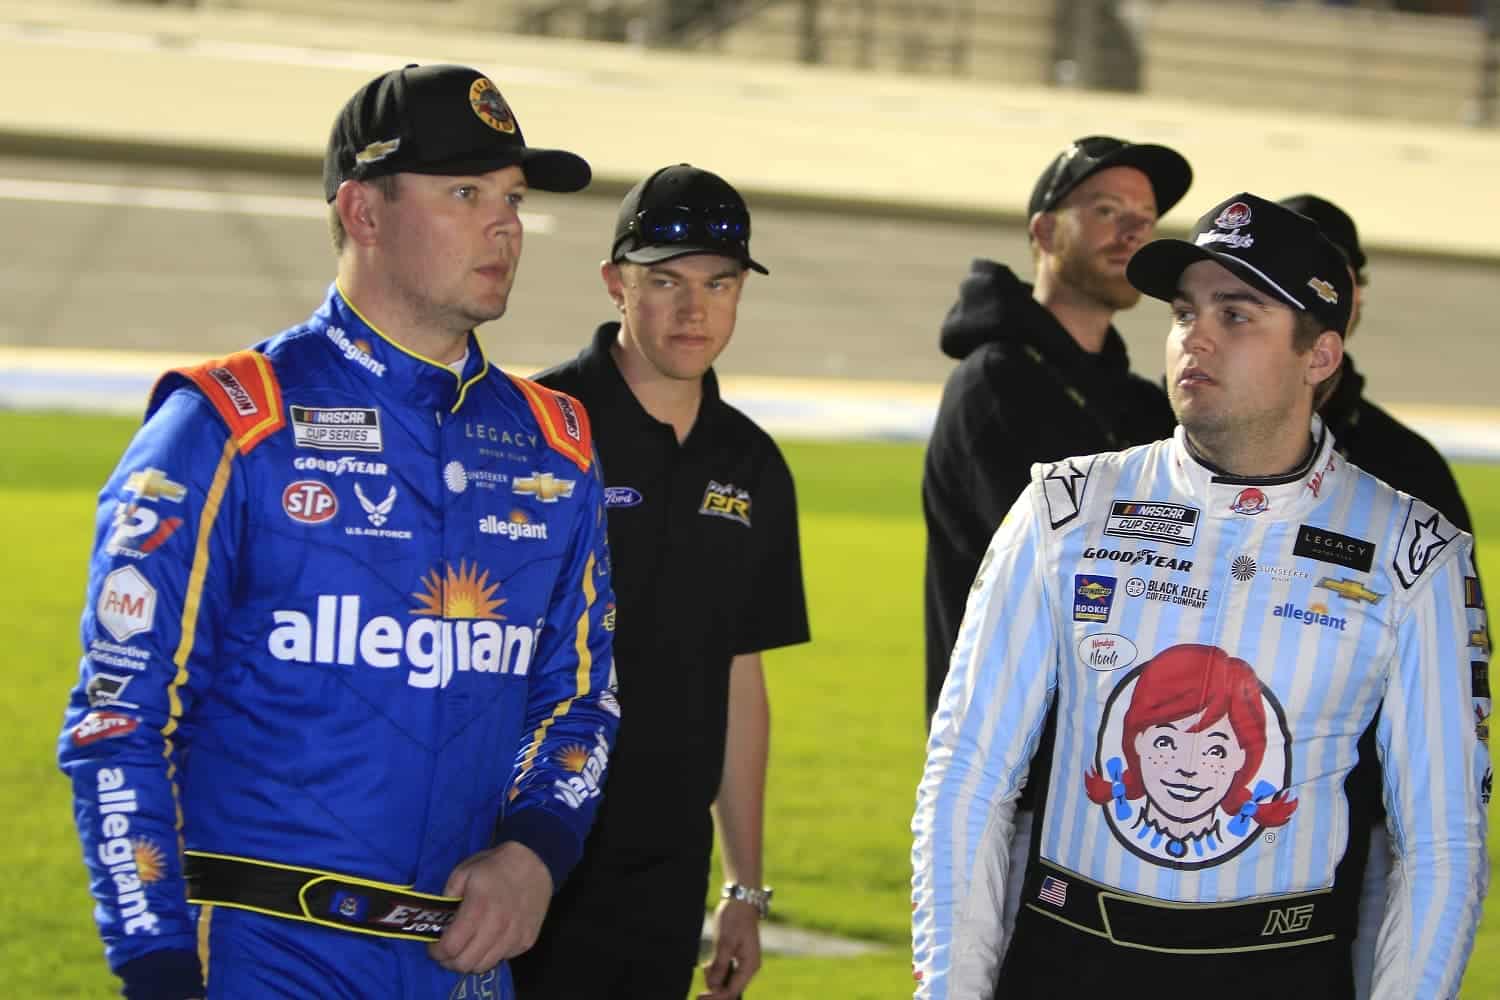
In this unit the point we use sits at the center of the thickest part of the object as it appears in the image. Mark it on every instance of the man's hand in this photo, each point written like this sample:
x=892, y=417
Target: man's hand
x=736, y=950
x=505, y=892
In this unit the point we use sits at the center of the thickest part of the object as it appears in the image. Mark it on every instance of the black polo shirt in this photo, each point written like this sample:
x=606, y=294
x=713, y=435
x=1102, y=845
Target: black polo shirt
x=706, y=566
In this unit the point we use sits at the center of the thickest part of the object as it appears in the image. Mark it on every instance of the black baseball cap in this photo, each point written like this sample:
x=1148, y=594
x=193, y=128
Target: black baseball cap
x=1166, y=169
x=438, y=119
x=1336, y=225
x=1265, y=245
x=682, y=210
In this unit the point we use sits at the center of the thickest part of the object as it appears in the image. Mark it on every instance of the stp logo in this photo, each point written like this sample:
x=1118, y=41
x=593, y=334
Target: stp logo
x=309, y=502
x=1234, y=216
x=1250, y=501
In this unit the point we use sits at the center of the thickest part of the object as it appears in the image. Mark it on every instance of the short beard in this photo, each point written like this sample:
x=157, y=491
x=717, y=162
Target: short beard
x=1078, y=272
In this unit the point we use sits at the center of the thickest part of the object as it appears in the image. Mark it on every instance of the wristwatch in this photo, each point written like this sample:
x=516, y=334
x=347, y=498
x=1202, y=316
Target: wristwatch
x=758, y=898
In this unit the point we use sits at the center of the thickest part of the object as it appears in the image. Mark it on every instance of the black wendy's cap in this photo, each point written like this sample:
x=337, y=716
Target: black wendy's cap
x=1265, y=245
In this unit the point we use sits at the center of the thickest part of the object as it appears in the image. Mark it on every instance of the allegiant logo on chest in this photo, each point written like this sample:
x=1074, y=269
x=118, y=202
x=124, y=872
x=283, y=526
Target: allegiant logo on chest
x=458, y=630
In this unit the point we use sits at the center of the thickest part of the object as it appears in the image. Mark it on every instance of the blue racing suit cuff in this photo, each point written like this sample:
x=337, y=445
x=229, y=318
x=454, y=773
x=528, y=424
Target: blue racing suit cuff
x=168, y=974
x=555, y=840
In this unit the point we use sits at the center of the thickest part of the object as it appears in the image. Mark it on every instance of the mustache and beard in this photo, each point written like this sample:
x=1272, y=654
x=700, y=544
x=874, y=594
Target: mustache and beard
x=1087, y=272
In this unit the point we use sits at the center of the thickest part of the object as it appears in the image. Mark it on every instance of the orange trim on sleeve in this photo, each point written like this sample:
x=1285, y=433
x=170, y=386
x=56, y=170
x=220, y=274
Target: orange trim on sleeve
x=243, y=388
x=563, y=420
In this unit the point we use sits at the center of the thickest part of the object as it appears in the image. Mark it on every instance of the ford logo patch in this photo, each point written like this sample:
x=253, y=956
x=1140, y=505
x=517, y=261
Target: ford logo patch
x=621, y=496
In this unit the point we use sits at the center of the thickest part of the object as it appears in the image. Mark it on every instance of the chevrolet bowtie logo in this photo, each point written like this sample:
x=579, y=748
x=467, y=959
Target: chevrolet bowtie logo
x=1351, y=590
x=1325, y=291
x=153, y=484
x=377, y=151
x=544, y=486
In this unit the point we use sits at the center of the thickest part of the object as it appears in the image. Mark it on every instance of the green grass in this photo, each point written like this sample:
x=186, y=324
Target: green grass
x=846, y=739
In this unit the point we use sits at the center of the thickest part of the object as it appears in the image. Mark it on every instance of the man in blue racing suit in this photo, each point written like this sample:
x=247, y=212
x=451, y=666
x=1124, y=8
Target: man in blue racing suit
x=1218, y=617
x=346, y=701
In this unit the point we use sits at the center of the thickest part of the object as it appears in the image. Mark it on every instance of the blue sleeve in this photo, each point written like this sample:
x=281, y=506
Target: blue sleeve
x=1432, y=734
x=571, y=710
x=167, y=524
x=984, y=732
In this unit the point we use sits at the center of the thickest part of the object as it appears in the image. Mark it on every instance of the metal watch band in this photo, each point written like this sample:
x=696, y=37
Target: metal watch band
x=758, y=898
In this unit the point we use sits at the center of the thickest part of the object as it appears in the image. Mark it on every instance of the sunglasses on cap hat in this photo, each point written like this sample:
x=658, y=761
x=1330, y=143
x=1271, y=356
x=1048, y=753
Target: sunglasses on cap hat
x=682, y=210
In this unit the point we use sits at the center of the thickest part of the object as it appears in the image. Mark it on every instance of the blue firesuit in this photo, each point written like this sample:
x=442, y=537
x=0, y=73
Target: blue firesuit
x=345, y=627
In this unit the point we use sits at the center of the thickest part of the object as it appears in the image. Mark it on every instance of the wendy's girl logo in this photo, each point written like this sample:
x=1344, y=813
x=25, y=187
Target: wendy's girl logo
x=1193, y=759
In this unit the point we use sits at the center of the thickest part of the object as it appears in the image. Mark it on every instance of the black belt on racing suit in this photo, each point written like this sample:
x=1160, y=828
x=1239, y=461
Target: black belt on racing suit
x=1133, y=921
x=327, y=898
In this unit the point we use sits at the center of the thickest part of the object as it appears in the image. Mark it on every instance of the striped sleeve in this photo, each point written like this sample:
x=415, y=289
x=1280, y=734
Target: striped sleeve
x=1431, y=739
x=990, y=714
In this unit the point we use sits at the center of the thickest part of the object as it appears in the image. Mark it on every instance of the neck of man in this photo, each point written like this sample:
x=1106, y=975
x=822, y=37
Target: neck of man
x=1249, y=452
x=1085, y=318
x=673, y=401
x=393, y=319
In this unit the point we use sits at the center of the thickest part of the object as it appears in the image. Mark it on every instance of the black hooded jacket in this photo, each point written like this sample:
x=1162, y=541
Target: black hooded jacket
x=1383, y=446
x=1024, y=391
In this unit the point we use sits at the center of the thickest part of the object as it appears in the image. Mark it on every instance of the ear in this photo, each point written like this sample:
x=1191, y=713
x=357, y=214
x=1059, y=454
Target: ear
x=358, y=206
x=614, y=283
x=1325, y=358
x=1042, y=227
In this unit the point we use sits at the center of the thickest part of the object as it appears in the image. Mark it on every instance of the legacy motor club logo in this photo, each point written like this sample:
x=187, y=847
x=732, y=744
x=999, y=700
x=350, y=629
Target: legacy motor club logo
x=1193, y=759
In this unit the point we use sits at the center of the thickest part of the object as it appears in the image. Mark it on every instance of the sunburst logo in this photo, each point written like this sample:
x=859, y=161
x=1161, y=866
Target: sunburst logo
x=150, y=863
x=573, y=757
x=467, y=593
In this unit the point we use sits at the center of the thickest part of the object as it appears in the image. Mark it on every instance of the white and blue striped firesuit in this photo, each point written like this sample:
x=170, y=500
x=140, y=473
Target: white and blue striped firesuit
x=1216, y=647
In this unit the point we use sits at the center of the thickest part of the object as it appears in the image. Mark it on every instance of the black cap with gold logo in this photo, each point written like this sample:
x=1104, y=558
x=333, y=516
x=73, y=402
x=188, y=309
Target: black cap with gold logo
x=438, y=120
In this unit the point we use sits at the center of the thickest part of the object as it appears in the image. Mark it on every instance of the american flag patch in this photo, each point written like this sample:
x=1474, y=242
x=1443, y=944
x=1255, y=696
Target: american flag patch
x=1054, y=891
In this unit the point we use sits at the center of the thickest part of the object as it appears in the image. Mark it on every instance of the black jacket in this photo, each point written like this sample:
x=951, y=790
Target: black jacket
x=1023, y=392
x=1383, y=446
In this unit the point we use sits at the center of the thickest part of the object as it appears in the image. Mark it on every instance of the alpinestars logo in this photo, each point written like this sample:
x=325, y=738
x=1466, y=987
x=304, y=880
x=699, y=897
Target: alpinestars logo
x=459, y=631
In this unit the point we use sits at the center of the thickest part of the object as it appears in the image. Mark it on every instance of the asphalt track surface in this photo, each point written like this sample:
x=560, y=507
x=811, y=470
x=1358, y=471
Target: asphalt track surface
x=101, y=255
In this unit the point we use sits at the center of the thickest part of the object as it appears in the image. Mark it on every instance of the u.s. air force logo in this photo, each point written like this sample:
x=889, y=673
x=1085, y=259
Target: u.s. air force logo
x=1193, y=760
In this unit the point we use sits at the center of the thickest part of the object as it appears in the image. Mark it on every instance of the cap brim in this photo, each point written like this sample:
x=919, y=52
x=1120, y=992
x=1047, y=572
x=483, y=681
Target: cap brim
x=1156, y=270
x=658, y=253
x=1166, y=169
x=545, y=169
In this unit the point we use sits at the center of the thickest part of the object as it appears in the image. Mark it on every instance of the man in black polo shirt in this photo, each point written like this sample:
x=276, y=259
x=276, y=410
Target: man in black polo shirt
x=707, y=573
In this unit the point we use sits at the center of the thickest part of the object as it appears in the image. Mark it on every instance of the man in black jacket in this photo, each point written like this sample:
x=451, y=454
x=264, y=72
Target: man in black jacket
x=1380, y=444
x=1042, y=375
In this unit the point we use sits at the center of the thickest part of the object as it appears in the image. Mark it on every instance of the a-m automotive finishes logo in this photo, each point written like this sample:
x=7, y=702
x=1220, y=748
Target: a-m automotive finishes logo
x=458, y=629
x=1193, y=759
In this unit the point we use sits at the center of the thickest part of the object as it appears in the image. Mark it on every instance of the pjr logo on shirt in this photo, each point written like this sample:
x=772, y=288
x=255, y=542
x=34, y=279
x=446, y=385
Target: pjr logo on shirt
x=726, y=500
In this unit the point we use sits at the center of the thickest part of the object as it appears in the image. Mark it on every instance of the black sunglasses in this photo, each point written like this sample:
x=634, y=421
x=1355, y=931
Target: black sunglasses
x=709, y=225
x=1079, y=159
